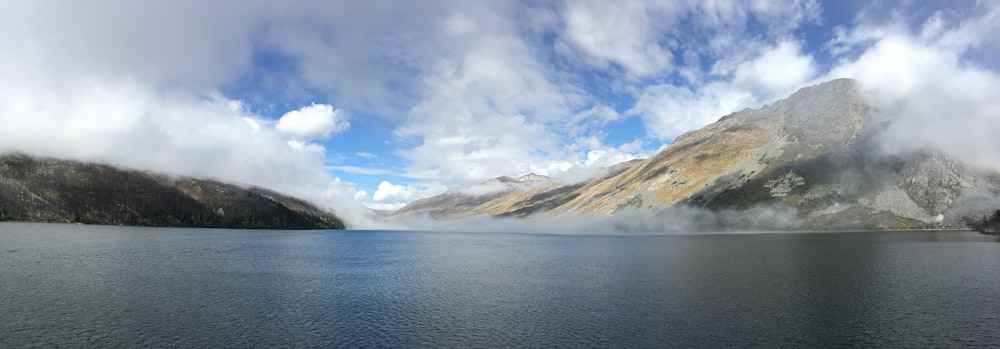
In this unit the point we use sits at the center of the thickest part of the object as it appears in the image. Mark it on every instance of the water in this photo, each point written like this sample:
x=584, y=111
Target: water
x=92, y=286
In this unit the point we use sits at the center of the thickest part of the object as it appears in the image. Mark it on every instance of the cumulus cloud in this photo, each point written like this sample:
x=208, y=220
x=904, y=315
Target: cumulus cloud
x=774, y=72
x=646, y=38
x=923, y=85
x=306, y=146
x=498, y=106
x=390, y=196
x=317, y=121
x=594, y=118
x=610, y=156
x=490, y=110
x=625, y=33
x=777, y=72
x=668, y=110
x=187, y=44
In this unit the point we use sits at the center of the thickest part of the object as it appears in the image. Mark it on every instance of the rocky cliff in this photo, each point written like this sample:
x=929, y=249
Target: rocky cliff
x=49, y=190
x=814, y=155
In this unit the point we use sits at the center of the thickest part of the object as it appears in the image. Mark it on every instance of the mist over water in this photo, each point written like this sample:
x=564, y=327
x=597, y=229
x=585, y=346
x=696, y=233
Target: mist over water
x=93, y=286
x=677, y=219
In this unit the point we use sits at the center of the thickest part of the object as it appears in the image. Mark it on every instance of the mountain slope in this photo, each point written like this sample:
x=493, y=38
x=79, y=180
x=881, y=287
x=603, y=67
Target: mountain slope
x=33, y=189
x=490, y=198
x=814, y=154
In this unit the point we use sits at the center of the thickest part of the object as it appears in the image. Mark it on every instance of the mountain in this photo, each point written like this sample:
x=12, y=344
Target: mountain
x=486, y=198
x=49, y=190
x=814, y=156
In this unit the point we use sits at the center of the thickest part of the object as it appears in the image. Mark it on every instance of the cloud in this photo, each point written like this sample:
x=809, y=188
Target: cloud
x=777, y=72
x=362, y=170
x=317, y=121
x=747, y=70
x=668, y=110
x=788, y=15
x=496, y=102
x=924, y=85
x=606, y=157
x=489, y=110
x=306, y=146
x=625, y=33
x=139, y=85
x=586, y=121
x=675, y=220
x=487, y=187
x=390, y=196
x=185, y=43
x=137, y=116
x=137, y=126
x=648, y=38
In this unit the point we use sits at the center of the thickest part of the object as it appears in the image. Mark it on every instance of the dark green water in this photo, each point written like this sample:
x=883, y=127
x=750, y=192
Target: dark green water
x=91, y=286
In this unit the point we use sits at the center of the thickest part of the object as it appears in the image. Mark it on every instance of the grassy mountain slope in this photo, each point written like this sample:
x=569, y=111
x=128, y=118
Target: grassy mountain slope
x=827, y=135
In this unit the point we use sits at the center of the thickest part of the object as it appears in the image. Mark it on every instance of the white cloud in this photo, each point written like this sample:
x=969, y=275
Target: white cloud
x=390, y=196
x=360, y=195
x=487, y=187
x=774, y=72
x=777, y=72
x=782, y=16
x=306, y=146
x=185, y=43
x=495, y=107
x=588, y=120
x=644, y=37
x=921, y=83
x=746, y=69
x=133, y=125
x=620, y=32
x=366, y=155
x=460, y=24
x=391, y=192
x=611, y=156
x=362, y=170
x=488, y=111
x=317, y=121
x=139, y=125
x=668, y=111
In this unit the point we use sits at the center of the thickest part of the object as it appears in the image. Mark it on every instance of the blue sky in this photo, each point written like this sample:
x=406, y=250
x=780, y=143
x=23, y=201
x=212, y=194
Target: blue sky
x=378, y=103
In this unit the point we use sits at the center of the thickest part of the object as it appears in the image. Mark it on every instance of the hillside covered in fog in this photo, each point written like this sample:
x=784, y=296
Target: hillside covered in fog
x=50, y=190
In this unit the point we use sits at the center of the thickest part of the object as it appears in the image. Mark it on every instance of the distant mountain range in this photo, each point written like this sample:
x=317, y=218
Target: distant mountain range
x=50, y=190
x=813, y=156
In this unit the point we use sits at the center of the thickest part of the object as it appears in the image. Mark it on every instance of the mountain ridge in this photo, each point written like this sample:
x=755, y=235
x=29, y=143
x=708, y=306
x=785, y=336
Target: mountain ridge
x=63, y=191
x=827, y=134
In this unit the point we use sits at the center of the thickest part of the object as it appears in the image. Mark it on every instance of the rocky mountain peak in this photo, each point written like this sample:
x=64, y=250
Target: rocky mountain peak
x=531, y=177
x=818, y=147
x=828, y=114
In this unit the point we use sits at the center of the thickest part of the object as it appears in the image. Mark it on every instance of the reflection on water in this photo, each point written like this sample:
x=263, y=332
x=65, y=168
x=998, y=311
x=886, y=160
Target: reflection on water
x=87, y=286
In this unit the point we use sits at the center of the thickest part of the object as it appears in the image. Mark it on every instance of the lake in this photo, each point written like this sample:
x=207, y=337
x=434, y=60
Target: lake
x=99, y=286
